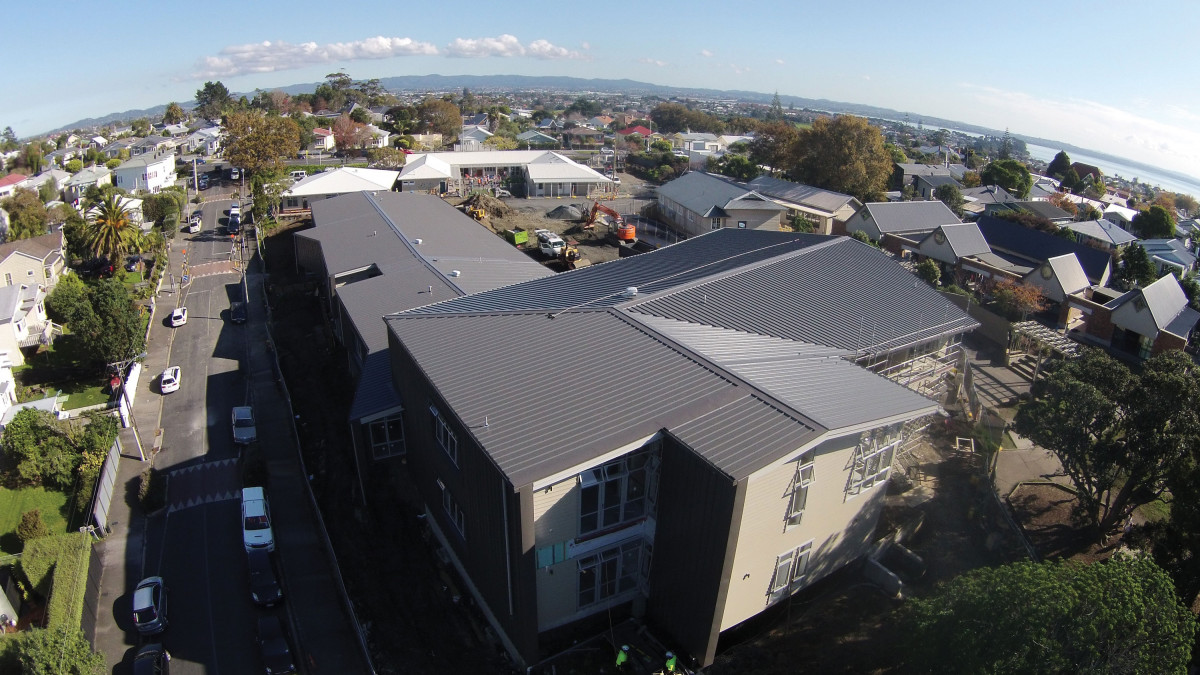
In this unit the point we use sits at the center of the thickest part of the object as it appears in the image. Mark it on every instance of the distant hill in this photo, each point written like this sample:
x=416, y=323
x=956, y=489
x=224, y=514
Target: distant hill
x=482, y=83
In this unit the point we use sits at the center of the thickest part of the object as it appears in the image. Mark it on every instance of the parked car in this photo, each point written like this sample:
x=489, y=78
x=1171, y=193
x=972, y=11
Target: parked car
x=237, y=311
x=235, y=209
x=202, y=181
x=152, y=659
x=234, y=223
x=244, y=430
x=256, y=520
x=195, y=222
x=178, y=317
x=234, y=173
x=550, y=243
x=131, y=263
x=273, y=646
x=169, y=381
x=264, y=586
x=298, y=175
x=150, y=606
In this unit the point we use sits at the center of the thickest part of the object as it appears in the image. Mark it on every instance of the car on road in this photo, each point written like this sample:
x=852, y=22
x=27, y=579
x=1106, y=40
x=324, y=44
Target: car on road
x=273, y=646
x=264, y=586
x=152, y=659
x=235, y=209
x=195, y=222
x=202, y=181
x=169, y=380
x=234, y=173
x=150, y=606
x=234, y=223
x=244, y=430
x=178, y=317
x=256, y=520
x=237, y=311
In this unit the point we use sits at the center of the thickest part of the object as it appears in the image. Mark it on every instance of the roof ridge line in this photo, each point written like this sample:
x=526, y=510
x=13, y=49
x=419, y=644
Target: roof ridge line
x=411, y=247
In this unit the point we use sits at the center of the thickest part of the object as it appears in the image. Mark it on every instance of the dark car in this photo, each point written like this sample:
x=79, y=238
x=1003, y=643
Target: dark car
x=131, y=263
x=264, y=587
x=273, y=647
x=150, y=606
x=202, y=181
x=152, y=660
x=237, y=312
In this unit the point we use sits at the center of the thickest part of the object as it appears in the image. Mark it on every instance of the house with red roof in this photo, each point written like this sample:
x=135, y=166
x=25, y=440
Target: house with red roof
x=322, y=140
x=10, y=183
x=639, y=129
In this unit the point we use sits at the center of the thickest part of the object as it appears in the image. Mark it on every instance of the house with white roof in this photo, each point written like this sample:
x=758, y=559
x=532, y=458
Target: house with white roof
x=379, y=137
x=300, y=196
x=205, y=141
x=55, y=174
x=539, y=173
x=1121, y=215
x=148, y=172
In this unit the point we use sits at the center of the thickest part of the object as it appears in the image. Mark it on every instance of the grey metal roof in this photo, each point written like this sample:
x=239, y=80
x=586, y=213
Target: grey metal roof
x=1169, y=250
x=937, y=181
x=1103, y=230
x=822, y=295
x=987, y=194
x=1043, y=209
x=699, y=192
x=912, y=169
x=907, y=217
x=965, y=239
x=1183, y=323
x=797, y=193
x=1005, y=236
x=375, y=392
x=715, y=252
x=1069, y=272
x=1165, y=300
x=745, y=435
x=533, y=422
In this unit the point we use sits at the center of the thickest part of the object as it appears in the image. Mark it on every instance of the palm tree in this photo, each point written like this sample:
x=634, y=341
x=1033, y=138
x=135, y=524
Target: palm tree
x=110, y=232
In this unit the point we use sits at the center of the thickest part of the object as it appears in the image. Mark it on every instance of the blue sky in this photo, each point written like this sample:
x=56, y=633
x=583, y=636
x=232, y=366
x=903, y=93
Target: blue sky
x=1108, y=76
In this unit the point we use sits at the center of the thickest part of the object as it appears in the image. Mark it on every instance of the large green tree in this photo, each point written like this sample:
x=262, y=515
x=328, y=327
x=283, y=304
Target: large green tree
x=68, y=303
x=440, y=117
x=774, y=146
x=212, y=100
x=258, y=142
x=114, y=331
x=173, y=114
x=110, y=231
x=27, y=215
x=1010, y=175
x=844, y=154
x=1136, y=268
x=37, y=450
x=1118, y=435
x=1116, y=616
x=1154, y=223
x=951, y=196
x=1059, y=165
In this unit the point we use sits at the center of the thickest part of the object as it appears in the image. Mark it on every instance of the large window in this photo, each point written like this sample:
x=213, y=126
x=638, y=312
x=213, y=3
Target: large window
x=799, y=491
x=872, y=461
x=613, y=571
x=791, y=570
x=444, y=435
x=617, y=492
x=453, y=510
x=387, y=437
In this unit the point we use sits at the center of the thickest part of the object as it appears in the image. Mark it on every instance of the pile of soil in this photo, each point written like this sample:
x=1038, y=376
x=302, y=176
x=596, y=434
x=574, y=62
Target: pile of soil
x=493, y=207
x=565, y=212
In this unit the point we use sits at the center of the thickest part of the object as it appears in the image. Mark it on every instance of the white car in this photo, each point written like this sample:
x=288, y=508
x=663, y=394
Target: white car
x=178, y=317
x=169, y=381
x=550, y=243
x=195, y=222
x=235, y=210
x=256, y=520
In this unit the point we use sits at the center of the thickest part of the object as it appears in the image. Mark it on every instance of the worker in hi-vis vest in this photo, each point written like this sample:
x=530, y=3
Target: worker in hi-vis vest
x=672, y=662
x=623, y=658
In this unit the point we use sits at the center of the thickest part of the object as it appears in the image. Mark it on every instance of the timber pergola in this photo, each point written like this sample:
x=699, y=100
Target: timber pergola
x=1045, y=338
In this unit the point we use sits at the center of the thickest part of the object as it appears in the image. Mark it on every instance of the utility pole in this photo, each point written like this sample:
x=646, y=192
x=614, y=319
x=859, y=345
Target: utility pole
x=121, y=375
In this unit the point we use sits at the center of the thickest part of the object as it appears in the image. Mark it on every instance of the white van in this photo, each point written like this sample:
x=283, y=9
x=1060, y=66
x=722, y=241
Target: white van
x=256, y=520
x=299, y=175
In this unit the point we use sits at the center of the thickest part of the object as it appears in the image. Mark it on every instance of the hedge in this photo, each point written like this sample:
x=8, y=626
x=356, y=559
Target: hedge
x=57, y=569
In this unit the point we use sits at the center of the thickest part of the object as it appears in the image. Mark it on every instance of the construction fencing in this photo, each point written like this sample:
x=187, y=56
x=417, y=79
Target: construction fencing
x=105, y=485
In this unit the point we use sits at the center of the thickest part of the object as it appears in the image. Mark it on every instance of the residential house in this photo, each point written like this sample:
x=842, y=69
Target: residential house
x=1044, y=209
x=726, y=140
x=599, y=122
x=93, y=176
x=175, y=130
x=734, y=458
x=1086, y=172
x=1148, y=321
x=696, y=142
x=1059, y=277
x=1121, y=215
x=536, y=138
x=827, y=210
x=206, y=141
x=11, y=183
x=472, y=139
x=377, y=253
x=697, y=202
x=927, y=186
x=150, y=145
x=639, y=130
x=1022, y=249
x=948, y=244
x=113, y=150
x=536, y=173
x=906, y=173
x=379, y=137
x=976, y=199
x=146, y=172
x=307, y=191
x=1102, y=234
x=61, y=156
x=426, y=141
x=58, y=176
x=906, y=222
x=323, y=140
x=23, y=321
x=577, y=137
x=8, y=390
x=1187, y=229
x=478, y=121
x=1170, y=254
x=97, y=142
x=38, y=260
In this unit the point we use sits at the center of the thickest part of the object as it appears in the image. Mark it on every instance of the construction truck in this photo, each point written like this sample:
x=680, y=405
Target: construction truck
x=476, y=213
x=550, y=244
x=571, y=258
x=626, y=232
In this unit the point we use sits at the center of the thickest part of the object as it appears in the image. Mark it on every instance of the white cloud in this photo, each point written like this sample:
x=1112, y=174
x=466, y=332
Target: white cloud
x=652, y=62
x=740, y=70
x=267, y=57
x=508, y=45
x=585, y=45
x=705, y=53
x=779, y=61
x=1090, y=124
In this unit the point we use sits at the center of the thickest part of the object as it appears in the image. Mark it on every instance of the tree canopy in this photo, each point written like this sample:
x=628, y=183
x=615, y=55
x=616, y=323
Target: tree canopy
x=110, y=232
x=54, y=651
x=1010, y=175
x=1136, y=268
x=670, y=118
x=1118, y=435
x=951, y=196
x=440, y=117
x=1154, y=223
x=212, y=100
x=113, y=330
x=1059, y=165
x=256, y=142
x=844, y=154
x=27, y=215
x=173, y=114
x=1116, y=616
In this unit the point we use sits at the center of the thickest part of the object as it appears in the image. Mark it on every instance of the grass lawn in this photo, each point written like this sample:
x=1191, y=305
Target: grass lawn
x=1155, y=511
x=13, y=503
x=56, y=369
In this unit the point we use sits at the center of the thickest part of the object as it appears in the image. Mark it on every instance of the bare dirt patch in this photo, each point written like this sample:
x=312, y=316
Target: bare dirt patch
x=1047, y=514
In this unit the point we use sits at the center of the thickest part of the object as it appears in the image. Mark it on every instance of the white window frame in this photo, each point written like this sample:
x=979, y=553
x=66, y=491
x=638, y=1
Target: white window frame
x=715, y=223
x=798, y=498
x=632, y=478
x=872, y=464
x=444, y=435
x=387, y=446
x=791, y=571
x=626, y=561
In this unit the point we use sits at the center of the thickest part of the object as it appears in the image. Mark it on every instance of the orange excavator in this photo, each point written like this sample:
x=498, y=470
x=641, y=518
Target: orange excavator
x=626, y=232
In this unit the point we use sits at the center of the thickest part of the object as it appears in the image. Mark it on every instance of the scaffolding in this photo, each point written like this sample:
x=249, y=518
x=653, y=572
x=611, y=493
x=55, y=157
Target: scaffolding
x=924, y=372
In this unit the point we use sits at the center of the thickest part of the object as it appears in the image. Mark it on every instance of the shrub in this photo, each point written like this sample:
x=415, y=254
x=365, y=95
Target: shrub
x=56, y=568
x=32, y=526
x=151, y=490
